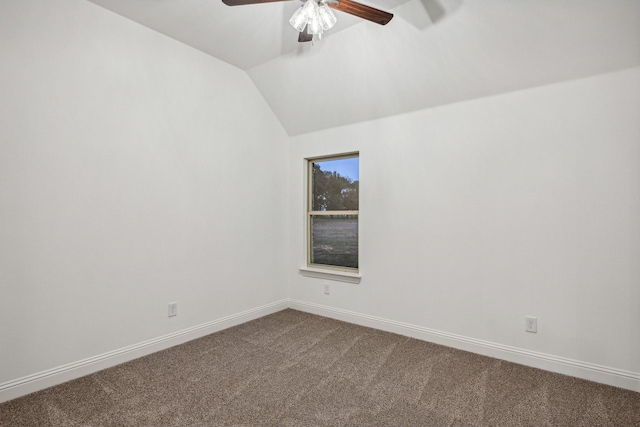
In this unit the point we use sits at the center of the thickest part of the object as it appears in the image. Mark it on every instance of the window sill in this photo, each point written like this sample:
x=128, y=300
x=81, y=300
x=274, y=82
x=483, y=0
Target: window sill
x=341, y=276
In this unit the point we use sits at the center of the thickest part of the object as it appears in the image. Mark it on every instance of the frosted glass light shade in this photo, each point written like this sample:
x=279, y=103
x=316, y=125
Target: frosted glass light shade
x=299, y=18
x=326, y=16
x=302, y=16
x=314, y=26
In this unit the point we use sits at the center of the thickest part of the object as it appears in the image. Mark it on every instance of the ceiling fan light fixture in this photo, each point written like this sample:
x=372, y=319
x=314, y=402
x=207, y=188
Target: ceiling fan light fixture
x=314, y=16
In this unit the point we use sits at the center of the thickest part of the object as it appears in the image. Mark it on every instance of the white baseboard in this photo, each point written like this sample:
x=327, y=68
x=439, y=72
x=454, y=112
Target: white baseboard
x=41, y=380
x=588, y=371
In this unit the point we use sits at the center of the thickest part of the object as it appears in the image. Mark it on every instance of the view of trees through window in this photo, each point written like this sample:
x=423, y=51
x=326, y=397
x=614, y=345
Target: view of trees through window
x=333, y=212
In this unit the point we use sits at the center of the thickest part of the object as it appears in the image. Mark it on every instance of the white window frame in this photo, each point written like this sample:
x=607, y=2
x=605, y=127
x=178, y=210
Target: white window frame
x=345, y=274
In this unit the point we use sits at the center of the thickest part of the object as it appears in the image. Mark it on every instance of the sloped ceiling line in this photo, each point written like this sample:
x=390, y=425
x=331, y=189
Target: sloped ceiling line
x=434, y=52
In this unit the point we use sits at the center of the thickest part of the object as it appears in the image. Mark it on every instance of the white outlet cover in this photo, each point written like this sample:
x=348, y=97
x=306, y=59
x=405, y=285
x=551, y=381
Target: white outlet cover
x=173, y=309
x=531, y=324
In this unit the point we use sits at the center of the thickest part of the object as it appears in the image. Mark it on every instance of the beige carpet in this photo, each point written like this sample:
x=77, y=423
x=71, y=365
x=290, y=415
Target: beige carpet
x=297, y=369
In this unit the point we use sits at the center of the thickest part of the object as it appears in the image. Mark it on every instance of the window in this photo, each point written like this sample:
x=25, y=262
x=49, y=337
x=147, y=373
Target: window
x=332, y=212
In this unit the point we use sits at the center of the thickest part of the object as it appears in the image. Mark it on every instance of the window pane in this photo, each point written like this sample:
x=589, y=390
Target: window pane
x=335, y=185
x=334, y=240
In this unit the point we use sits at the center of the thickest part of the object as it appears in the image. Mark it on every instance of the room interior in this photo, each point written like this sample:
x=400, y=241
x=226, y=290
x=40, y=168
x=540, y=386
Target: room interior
x=154, y=152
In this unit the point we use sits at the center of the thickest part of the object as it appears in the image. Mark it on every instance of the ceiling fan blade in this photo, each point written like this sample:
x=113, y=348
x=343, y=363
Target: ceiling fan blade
x=304, y=36
x=362, y=11
x=243, y=2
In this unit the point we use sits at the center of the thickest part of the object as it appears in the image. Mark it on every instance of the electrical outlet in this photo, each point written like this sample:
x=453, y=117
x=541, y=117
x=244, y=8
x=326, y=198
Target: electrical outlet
x=531, y=324
x=173, y=309
x=327, y=289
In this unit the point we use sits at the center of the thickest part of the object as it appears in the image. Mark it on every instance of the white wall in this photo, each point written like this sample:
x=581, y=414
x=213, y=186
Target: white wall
x=134, y=171
x=476, y=214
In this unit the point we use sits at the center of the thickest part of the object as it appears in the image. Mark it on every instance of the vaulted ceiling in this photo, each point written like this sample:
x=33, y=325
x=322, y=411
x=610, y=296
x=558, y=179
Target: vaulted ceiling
x=433, y=52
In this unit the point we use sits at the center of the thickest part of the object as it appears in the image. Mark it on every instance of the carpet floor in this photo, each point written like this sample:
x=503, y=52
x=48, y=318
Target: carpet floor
x=297, y=369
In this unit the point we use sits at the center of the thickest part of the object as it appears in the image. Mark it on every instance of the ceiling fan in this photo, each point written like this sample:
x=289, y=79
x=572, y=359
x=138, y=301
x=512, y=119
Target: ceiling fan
x=315, y=16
